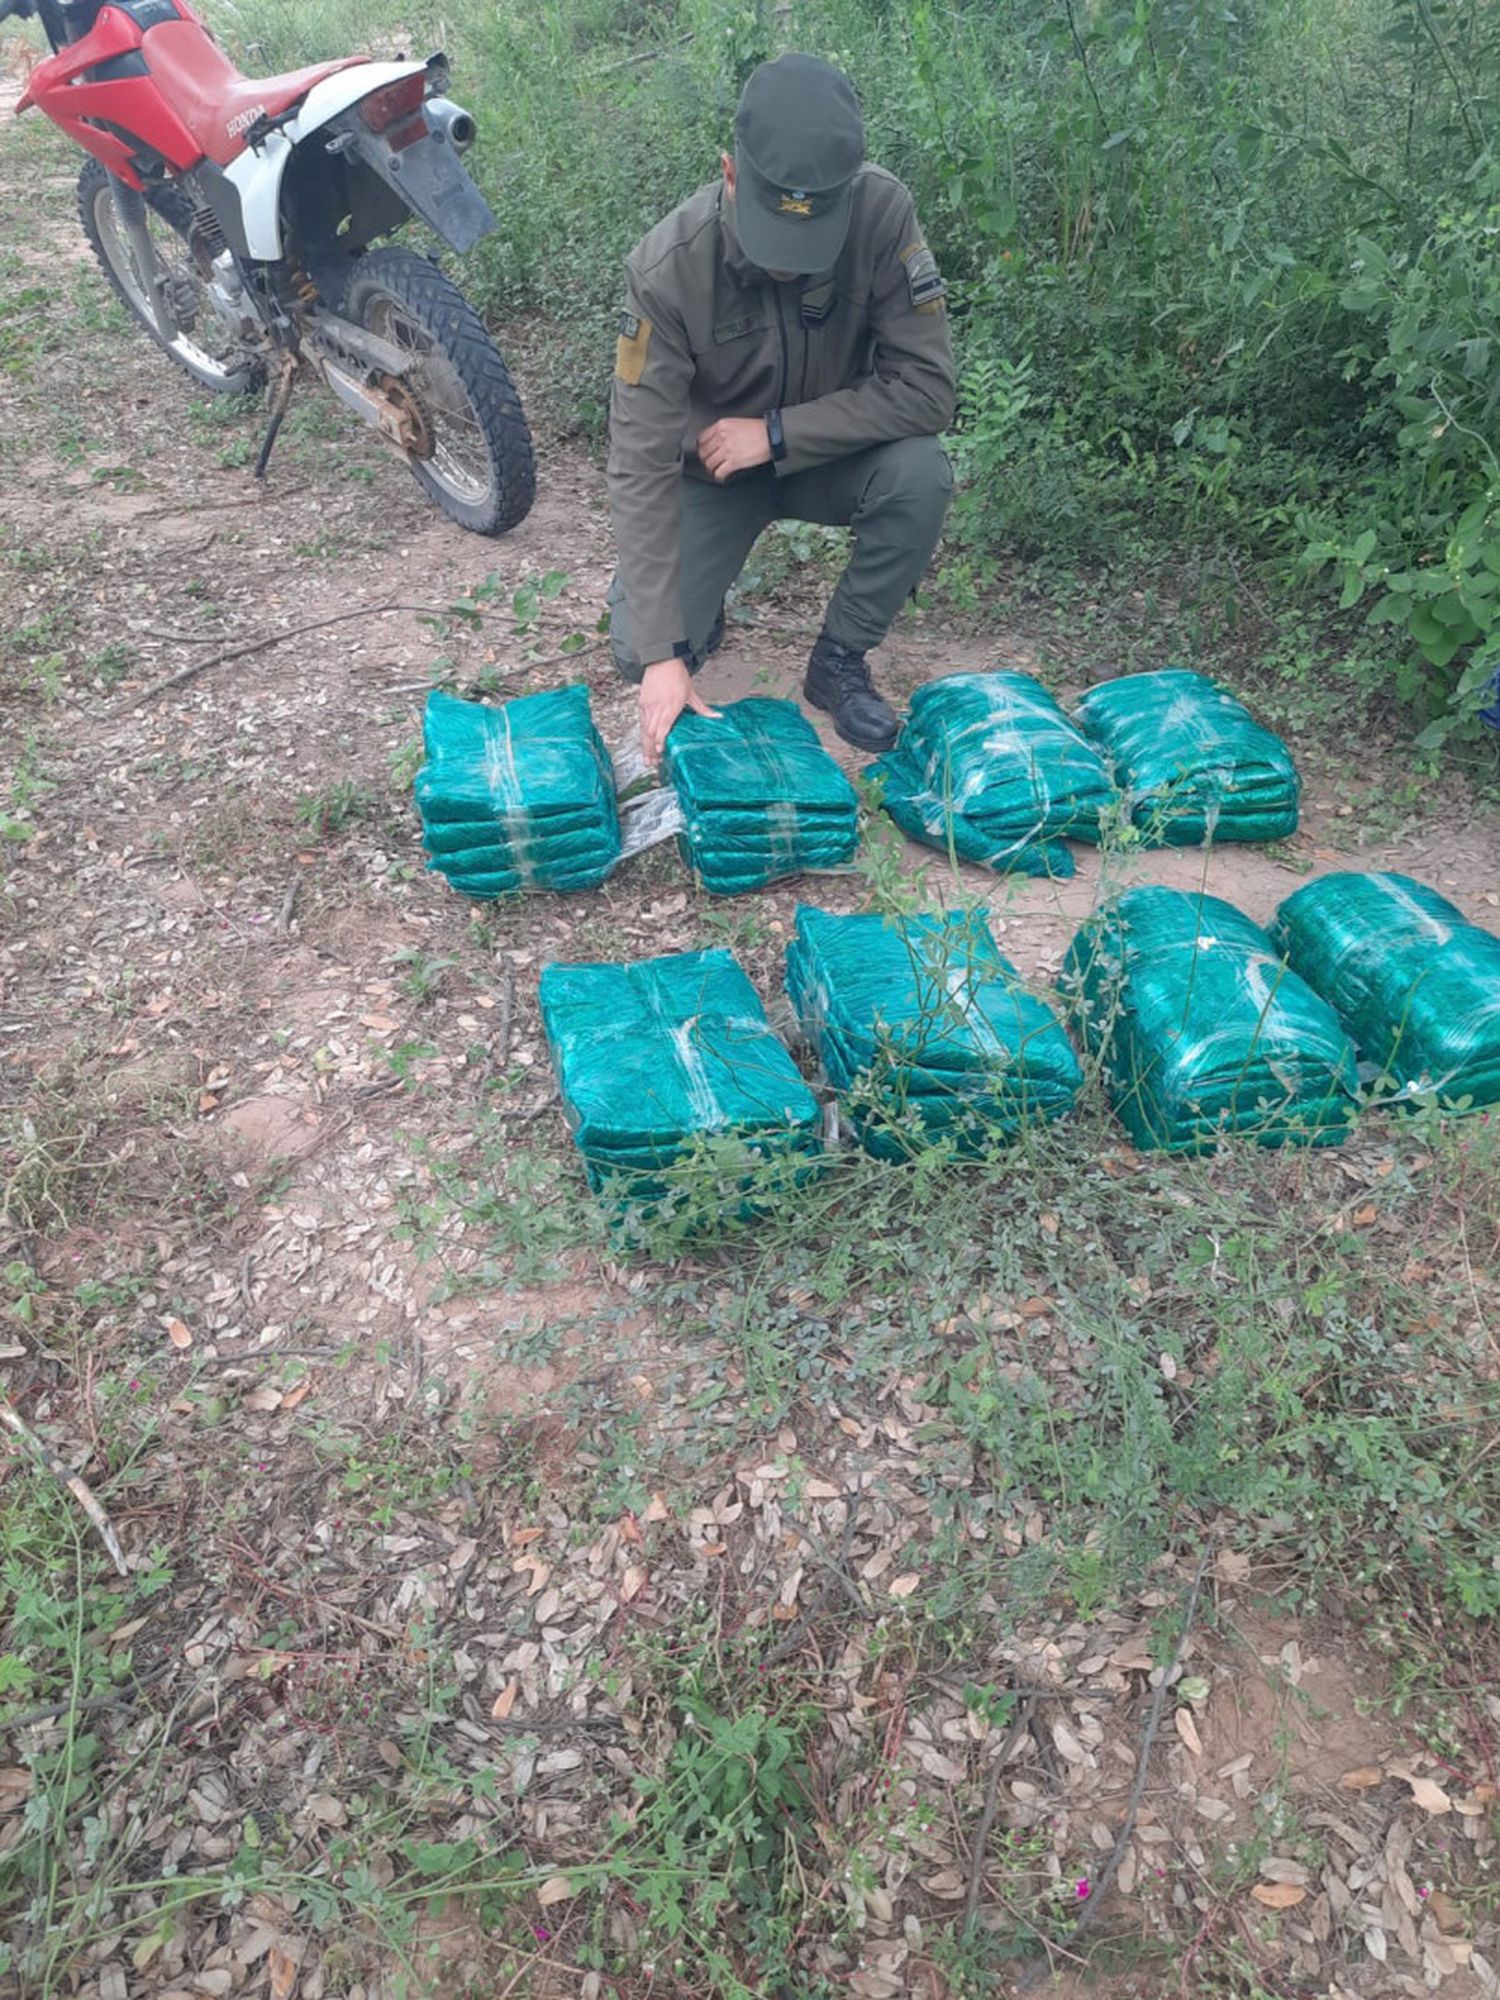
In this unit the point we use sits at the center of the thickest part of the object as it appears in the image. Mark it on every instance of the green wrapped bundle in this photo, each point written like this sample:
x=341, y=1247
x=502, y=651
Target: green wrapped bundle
x=655, y=1057
x=761, y=798
x=1203, y=1031
x=926, y=1030
x=517, y=797
x=1193, y=763
x=990, y=768
x=1414, y=982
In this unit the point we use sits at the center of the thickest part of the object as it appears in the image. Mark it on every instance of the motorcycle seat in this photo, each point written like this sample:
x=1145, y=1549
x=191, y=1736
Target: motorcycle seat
x=215, y=103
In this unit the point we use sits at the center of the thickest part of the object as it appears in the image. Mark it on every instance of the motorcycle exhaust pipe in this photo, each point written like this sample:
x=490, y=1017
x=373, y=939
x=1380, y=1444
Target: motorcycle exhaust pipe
x=452, y=122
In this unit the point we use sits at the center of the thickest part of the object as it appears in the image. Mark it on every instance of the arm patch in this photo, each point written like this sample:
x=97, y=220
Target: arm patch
x=631, y=348
x=924, y=280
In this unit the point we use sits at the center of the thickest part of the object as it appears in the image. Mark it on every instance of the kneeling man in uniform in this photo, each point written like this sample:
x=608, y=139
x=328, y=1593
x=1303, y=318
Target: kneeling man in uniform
x=783, y=355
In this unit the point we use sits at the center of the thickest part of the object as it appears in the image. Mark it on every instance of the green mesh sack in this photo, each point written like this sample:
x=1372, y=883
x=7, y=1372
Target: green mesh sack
x=520, y=796
x=989, y=767
x=1414, y=982
x=926, y=1031
x=1194, y=765
x=654, y=1058
x=1202, y=1030
x=761, y=798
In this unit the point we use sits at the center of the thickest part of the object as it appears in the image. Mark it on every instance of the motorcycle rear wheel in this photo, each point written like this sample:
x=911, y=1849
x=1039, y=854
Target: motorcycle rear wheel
x=219, y=365
x=482, y=469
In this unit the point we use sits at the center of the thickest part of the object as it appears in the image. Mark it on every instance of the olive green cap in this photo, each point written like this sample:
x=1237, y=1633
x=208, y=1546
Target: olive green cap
x=799, y=140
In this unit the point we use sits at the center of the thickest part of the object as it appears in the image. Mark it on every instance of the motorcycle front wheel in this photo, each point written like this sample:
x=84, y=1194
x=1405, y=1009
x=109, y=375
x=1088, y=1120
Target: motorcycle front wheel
x=481, y=470
x=204, y=347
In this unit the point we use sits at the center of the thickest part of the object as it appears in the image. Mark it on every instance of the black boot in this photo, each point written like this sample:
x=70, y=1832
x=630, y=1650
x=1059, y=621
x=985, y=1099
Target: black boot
x=839, y=682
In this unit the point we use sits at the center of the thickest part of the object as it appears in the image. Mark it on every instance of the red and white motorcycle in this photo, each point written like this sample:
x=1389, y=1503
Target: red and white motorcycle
x=235, y=216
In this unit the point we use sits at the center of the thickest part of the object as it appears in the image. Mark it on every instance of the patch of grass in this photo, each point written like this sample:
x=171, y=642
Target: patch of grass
x=422, y=974
x=336, y=806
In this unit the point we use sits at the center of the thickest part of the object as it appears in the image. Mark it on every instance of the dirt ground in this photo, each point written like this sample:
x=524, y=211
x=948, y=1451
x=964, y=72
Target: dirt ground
x=218, y=930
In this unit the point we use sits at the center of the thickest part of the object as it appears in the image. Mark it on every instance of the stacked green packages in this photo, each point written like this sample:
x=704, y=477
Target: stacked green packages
x=1193, y=763
x=517, y=797
x=655, y=1057
x=927, y=1030
x=989, y=768
x=761, y=798
x=1202, y=1030
x=1414, y=982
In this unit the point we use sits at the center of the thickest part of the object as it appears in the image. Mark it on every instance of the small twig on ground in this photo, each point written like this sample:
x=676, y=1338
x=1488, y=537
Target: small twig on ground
x=49, y=1711
x=987, y=1818
x=210, y=506
x=507, y=1009
x=1111, y=1868
x=523, y=1114
x=247, y=1289
x=267, y=639
x=834, y=1572
x=80, y=1492
x=289, y=901
x=834, y=1565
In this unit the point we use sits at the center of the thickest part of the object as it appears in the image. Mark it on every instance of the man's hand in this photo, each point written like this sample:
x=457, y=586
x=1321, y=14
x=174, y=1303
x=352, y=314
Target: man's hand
x=666, y=690
x=733, y=445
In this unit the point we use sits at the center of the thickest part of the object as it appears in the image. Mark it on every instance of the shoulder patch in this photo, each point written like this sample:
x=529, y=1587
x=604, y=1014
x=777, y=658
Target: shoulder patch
x=631, y=348
x=924, y=281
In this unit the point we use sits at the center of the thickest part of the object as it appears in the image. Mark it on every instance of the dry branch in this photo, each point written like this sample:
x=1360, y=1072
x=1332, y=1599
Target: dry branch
x=80, y=1492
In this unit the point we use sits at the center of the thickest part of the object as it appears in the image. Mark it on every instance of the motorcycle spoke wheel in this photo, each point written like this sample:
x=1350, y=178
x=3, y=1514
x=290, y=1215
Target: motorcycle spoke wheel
x=206, y=348
x=481, y=470
x=460, y=458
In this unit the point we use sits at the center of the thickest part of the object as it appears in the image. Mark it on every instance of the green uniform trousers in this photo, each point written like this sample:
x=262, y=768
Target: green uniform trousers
x=893, y=496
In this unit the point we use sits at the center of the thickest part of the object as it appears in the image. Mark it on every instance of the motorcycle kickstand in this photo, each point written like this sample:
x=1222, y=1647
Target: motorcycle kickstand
x=130, y=213
x=279, y=402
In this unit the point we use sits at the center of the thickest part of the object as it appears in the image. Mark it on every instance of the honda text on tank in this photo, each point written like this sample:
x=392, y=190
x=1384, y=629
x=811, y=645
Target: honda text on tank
x=235, y=216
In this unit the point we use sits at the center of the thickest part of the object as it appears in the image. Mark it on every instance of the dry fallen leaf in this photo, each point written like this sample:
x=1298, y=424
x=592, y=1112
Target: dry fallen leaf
x=1278, y=1895
x=1429, y=1796
x=556, y=1889
x=903, y=1586
x=1068, y=1744
x=15, y=1787
x=1187, y=1729
x=1364, y=1779
x=505, y=1701
x=1446, y=1914
x=283, y=1973
x=632, y=1583
x=178, y=1334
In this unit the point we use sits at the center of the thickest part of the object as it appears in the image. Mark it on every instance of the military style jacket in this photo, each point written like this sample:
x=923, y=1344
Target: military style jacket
x=853, y=357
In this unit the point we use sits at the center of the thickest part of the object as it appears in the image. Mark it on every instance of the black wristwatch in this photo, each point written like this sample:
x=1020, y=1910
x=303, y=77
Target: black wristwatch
x=776, y=435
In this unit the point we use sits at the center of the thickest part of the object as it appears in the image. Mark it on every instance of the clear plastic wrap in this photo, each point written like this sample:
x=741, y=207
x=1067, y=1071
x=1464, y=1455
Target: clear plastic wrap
x=989, y=767
x=1202, y=1030
x=655, y=1057
x=761, y=798
x=926, y=1030
x=1193, y=763
x=1414, y=982
x=517, y=796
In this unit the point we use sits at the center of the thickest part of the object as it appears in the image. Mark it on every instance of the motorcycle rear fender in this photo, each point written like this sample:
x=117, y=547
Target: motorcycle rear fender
x=433, y=182
x=257, y=172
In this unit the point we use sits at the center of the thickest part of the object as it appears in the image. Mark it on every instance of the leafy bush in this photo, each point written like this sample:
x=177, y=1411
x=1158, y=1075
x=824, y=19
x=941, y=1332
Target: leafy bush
x=1432, y=551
